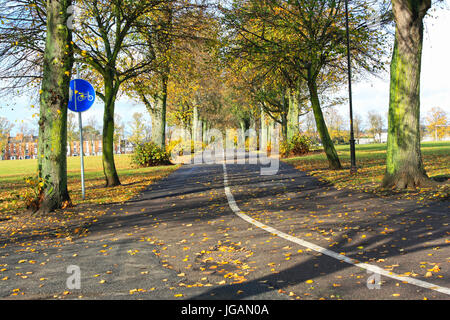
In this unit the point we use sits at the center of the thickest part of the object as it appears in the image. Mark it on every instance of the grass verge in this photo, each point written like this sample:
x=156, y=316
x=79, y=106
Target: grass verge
x=15, y=222
x=371, y=167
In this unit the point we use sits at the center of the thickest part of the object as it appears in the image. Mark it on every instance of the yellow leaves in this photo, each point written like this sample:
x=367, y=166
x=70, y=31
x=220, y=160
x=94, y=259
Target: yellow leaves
x=179, y=295
x=309, y=281
x=430, y=271
x=16, y=292
x=133, y=291
x=436, y=268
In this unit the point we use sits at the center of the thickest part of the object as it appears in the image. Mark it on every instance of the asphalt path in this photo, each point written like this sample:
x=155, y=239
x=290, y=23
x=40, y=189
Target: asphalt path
x=182, y=239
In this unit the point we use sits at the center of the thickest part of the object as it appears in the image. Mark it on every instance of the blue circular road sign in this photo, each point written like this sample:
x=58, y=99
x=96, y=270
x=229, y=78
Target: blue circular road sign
x=82, y=95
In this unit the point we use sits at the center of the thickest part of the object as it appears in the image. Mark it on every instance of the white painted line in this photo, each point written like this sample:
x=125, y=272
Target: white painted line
x=374, y=269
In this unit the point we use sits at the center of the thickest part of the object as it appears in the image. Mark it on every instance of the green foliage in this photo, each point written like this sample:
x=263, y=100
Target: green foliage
x=150, y=155
x=298, y=145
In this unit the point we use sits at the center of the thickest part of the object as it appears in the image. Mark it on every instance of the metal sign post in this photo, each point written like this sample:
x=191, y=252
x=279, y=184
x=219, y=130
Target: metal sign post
x=353, y=168
x=82, y=97
x=83, y=192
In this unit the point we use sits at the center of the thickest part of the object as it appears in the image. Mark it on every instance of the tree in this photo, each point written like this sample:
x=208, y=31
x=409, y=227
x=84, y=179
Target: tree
x=5, y=130
x=119, y=131
x=375, y=125
x=72, y=128
x=307, y=37
x=176, y=43
x=336, y=123
x=108, y=42
x=25, y=129
x=138, y=129
x=357, y=126
x=404, y=165
x=22, y=44
x=437, y=123
x=57, y=66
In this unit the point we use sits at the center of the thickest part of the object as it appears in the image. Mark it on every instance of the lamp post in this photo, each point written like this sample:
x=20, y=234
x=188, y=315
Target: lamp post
x=353, y=168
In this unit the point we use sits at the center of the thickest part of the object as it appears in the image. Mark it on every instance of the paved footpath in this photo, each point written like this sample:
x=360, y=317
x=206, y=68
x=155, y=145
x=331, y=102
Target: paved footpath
x=186, y=238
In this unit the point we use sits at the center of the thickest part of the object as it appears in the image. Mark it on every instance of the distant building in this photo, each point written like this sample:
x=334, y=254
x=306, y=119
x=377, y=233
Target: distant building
x=90, y=148
x=21, y=147
x=95, y=148
x=381, y=138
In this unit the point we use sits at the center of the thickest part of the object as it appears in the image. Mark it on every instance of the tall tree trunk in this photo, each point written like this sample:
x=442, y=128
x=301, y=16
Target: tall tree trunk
x=327, y=143
x=109, y=167
x=58, y=63
x=196, y=129
x=205, y=128
x=404, y=166
x=292, y=118
x=159, y=116
x=263, y=142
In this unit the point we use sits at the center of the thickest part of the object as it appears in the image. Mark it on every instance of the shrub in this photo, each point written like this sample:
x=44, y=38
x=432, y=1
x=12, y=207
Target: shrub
x=298, y=145
x=149, y=155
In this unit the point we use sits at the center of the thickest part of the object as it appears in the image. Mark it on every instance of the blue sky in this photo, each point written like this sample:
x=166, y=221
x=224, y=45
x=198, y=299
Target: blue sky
x=372, y=94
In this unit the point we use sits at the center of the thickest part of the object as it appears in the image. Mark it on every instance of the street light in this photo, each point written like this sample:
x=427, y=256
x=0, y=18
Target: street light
x=353, y=168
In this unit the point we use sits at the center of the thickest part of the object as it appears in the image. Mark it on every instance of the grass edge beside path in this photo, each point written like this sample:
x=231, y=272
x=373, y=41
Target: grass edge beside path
x=17, y=223
x=371, y=162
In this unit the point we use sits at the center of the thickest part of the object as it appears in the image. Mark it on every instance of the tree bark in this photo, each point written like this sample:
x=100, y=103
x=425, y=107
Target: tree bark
x=196, y=129
x=263, y=132
x=58, y=63
x=292, y=118
x=159, y=116
x=327, y=143
x=404, y=165
x=109, y=167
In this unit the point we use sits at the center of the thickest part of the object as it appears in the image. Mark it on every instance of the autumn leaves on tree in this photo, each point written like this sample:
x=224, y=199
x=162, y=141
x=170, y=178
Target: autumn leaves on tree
x=249, y=64
x=301, y=44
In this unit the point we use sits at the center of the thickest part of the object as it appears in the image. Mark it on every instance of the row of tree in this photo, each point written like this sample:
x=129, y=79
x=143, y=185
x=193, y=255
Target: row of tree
x=122, y=47
x=292, y=52
x=193, y=64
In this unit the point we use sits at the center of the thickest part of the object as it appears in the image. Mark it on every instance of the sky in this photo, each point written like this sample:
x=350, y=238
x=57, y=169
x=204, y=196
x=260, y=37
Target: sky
x=371, y=94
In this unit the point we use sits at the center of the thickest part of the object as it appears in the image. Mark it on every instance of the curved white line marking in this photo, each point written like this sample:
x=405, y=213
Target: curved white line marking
x=312, y=246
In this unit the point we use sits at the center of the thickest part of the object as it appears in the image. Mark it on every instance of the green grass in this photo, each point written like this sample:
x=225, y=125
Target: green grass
x=371, y=167
x=134, y=180
x=11, y=170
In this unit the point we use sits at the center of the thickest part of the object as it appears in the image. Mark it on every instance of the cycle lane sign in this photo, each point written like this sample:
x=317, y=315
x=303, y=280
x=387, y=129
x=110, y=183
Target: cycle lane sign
x=81, y=95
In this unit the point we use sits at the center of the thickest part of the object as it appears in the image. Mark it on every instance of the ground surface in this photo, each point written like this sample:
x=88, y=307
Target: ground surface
x=180, y=240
